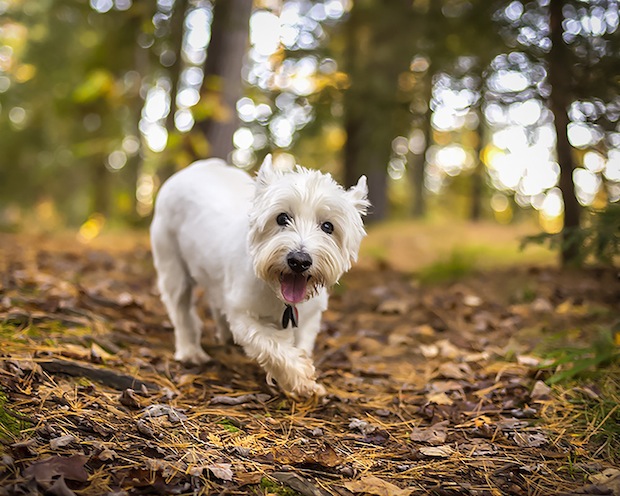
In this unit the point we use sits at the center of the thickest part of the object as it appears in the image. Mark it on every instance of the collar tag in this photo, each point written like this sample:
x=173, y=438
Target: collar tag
x=290, y=315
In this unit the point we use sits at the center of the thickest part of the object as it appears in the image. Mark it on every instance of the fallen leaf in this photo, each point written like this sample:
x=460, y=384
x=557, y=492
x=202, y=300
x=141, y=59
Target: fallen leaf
x=439, y=399
x=541, y=305
x=362, y=426
x=445, y=386
x=59, y=488
x=608, y=479
x=444, y=451
x=159, y=410
x=374, y=485
x=478, y=448
x=540, y=391
x=424, y=330
x=61, y=441
x=222, y=471
x=399, y=307
x=70, y=467
x=106, y=455
x=528, y=360
x=129, y=399
x=324, y=456
x=511, y=423
x=429, y=350
x=448, y=350
x=529, y=439
x=435, y=434
x=452, y=370
x=144, y=428
x=472, y=300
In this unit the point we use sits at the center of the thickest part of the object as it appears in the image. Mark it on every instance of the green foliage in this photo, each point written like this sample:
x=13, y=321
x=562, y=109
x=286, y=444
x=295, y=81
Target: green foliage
x=459, y=264
x=594, y=412
x=10, y=425
x=599, y=240
x=570, y=363
x=272, y=487
x=228, y=425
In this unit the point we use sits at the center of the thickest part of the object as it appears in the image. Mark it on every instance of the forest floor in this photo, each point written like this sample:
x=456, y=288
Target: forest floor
x=437, y=362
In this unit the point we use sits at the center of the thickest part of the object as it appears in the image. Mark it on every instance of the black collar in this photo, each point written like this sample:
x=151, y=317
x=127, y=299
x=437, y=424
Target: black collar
x=290, y=314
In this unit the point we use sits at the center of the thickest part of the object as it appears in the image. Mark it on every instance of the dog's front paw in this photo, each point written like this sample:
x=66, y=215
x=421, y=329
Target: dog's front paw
x=307, y=389
x=193, y=356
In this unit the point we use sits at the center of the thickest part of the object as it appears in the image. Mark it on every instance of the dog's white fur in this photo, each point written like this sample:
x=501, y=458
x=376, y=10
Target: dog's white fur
x=217, y=227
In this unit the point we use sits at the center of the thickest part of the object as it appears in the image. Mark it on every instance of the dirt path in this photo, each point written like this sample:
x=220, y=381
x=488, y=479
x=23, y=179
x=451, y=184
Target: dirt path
x=432, y=389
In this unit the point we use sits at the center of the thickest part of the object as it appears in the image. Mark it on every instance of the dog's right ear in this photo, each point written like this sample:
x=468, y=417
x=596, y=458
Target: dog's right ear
x=358, y=195
x=266, y=173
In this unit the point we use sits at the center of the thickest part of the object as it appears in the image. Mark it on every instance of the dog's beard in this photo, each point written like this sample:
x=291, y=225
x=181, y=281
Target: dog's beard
x=270, y=265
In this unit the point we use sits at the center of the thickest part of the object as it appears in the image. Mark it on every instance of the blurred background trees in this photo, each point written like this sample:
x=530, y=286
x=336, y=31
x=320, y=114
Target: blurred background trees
x=478, y=109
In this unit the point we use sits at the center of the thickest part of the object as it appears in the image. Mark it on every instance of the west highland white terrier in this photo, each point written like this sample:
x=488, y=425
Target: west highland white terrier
x=265, y=250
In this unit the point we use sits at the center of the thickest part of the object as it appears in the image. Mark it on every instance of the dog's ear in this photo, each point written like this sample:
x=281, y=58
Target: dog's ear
x=266, y=173
x=358, y=195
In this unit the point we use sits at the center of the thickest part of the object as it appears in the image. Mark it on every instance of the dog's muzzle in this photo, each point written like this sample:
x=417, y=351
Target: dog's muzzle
x=293, y=284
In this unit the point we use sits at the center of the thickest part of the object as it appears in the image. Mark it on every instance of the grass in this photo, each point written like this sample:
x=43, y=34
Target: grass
x=272, y=487
x=410, y=246
x=570, y=362
x=587, y=380
x=590, y=410
x=10, y=425
x=456, y=266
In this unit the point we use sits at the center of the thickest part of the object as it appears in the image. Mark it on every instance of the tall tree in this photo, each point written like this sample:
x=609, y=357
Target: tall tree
x=558, y=60
x=379, y=51
x=578, y=44
x=222, y=86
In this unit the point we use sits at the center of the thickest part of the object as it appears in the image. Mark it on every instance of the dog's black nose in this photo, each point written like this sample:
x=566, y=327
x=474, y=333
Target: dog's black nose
x=299, y=261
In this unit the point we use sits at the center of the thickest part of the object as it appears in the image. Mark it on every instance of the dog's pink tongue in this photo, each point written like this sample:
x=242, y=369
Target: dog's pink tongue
x=293, y=287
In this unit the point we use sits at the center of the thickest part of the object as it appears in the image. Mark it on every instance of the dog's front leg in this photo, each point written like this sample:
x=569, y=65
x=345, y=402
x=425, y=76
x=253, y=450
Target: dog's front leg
x=275, y=351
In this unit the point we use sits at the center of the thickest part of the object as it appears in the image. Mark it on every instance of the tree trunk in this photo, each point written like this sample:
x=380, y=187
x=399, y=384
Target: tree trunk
x=375, y=112
x=559, y=101
x=101, y=187
x=176, y=41
x=477, y=176
x=418, y=162
x=222, y=72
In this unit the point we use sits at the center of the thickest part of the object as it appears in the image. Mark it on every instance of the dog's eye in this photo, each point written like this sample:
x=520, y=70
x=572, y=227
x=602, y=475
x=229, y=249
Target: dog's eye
x=283, y=219
x=327, y=227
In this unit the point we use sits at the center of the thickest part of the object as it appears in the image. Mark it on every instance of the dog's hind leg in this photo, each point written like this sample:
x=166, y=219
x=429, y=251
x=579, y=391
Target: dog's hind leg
x=222, y=329
x=175, y=286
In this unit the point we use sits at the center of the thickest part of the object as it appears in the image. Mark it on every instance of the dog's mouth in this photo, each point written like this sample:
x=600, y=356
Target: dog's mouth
x=293, y=287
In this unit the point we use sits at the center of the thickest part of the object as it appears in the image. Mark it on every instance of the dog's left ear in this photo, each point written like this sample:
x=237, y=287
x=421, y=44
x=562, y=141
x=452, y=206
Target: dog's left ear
x=358, y=195
x=266, y=172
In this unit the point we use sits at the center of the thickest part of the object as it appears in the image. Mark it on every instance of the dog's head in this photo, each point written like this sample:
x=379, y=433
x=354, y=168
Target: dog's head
x=305, y=230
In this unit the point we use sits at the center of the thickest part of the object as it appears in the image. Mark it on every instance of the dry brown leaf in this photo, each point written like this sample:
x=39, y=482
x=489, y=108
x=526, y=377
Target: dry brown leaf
x=540, y=391
x=452, y=370
x=222, y=471
x=435, y=434
x=439, y=399
x=399, y=307
x=324, y=456
x=71, y=467
x=429, y=350
x=444, y=451
x=61, y=441
x=529, y=439
x=374, y=485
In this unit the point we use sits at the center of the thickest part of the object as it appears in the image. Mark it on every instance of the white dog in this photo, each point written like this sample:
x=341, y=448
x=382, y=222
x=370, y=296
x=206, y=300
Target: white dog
x=264, y=250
